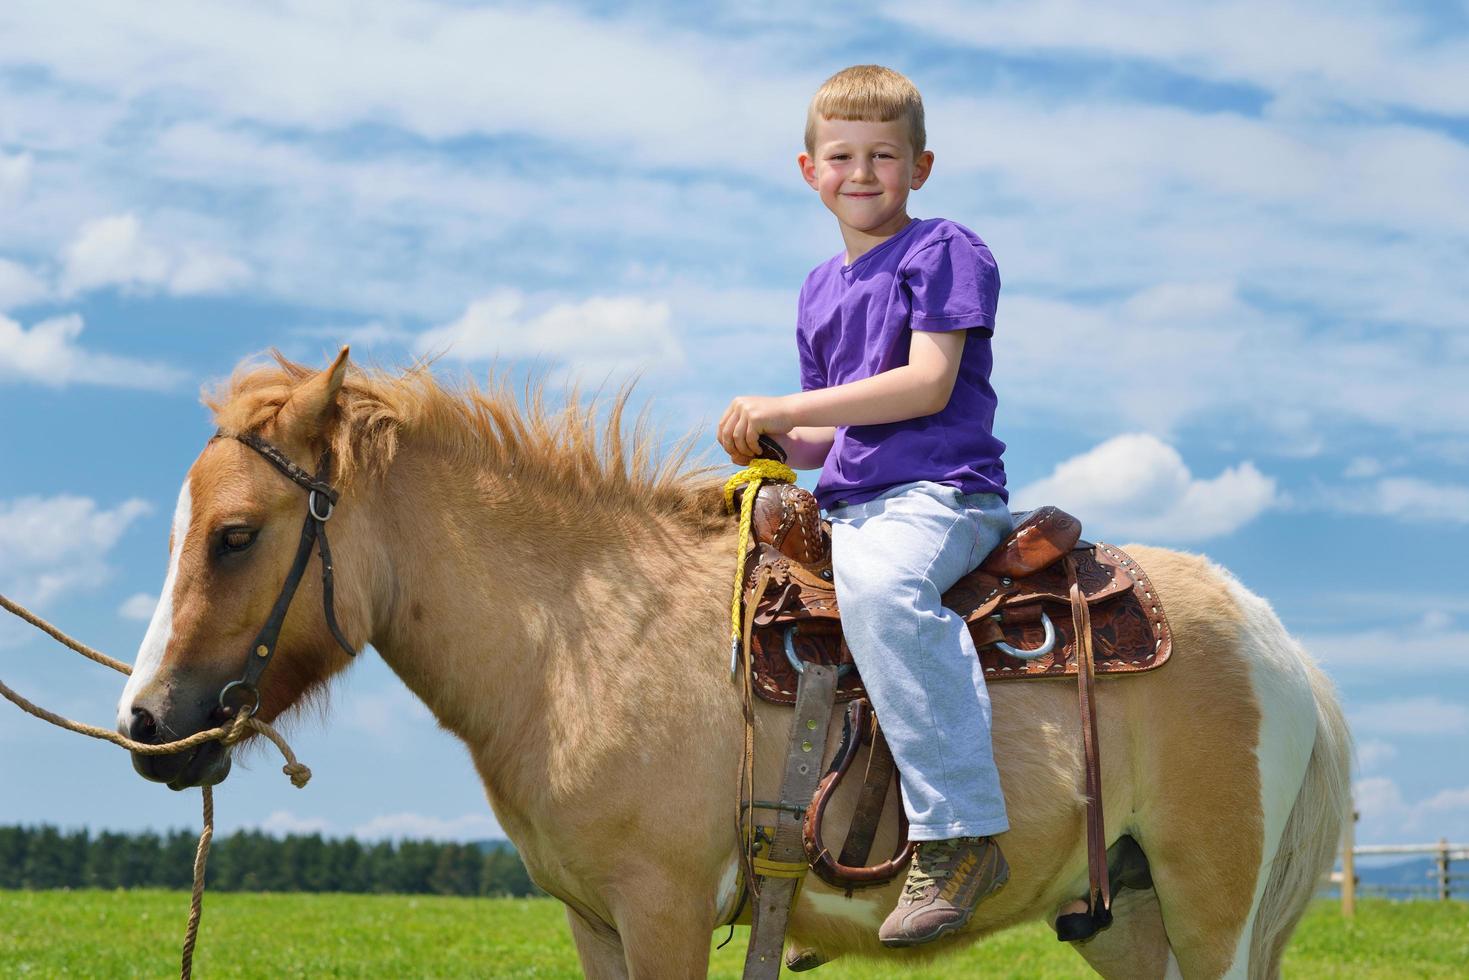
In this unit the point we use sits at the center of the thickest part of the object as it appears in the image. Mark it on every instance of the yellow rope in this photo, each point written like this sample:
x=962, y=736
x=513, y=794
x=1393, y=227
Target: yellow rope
x=757, y=472
x=229, y=734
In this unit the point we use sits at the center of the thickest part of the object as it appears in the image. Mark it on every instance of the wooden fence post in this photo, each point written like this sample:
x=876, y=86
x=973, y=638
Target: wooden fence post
x=1349, y=864
x=1443, y=869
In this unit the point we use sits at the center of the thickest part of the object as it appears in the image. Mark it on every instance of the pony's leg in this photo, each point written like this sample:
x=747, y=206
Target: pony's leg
x=1204, y=864
x=599, y=948
x=1135, y=945
x=666, y=941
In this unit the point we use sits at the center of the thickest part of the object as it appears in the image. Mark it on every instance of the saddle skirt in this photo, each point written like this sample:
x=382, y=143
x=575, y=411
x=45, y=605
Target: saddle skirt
x=1014, y=601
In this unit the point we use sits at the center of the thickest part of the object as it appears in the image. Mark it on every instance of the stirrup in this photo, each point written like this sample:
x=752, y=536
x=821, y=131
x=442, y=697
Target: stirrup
x=1078, y=927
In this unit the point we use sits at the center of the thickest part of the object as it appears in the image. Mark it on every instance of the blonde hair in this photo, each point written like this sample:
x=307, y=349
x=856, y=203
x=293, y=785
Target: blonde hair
x=869, y=93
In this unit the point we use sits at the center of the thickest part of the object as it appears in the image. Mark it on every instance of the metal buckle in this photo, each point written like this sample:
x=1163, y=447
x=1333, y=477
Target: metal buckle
x=311, y=496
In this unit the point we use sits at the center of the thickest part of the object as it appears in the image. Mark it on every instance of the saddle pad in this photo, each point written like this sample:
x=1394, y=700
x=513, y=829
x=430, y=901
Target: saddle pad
x=1129, y=628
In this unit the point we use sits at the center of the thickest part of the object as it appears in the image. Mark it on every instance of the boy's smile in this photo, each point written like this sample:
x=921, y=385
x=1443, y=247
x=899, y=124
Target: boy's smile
x=864, y=172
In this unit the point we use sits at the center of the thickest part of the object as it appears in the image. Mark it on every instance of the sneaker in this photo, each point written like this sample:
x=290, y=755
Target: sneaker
x=947, y=880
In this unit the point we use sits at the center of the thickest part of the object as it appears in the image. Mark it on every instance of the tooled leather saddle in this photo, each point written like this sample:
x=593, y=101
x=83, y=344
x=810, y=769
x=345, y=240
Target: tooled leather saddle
x=1015, y=602
x=1043, y=604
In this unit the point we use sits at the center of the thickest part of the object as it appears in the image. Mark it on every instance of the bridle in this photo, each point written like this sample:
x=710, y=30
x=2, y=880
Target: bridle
x=321, y=499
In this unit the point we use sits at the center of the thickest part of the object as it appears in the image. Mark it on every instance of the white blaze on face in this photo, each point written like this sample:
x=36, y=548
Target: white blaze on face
x=160, y=627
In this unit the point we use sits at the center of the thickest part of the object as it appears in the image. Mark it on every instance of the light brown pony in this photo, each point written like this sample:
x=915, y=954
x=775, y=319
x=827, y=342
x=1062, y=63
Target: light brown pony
x=560, y=602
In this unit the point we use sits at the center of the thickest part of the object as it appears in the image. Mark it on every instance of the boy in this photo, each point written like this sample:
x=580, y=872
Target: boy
x=896, y=407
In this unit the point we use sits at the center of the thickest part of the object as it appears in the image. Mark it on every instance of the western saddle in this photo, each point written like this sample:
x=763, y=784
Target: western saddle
x=1044, y=604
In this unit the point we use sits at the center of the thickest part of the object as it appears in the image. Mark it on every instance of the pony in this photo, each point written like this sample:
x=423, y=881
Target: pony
x=556, y=592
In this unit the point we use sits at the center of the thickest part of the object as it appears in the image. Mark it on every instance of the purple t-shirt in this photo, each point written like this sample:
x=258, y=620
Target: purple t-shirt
x=855, y=321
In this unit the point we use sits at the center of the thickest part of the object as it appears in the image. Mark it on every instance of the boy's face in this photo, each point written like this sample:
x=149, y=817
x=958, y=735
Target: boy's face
x=864, y=171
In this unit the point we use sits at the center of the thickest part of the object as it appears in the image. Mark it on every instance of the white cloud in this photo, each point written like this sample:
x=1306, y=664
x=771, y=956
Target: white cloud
x=1412, y=716
x=113, y=251
x=1436, y=621
x=281, y=823
x=381, y=714
x=1138, y=486
x=595, y=337
x=422, y=67
x=1374, y=753
x=1386, y=817
x=1410, y=499
x=53, y=545
x=363, y=335
x=138, y=606
x=1423, y=648
x=19, y=285
x=1362, y=467
x=1161, y=359
x=199, y=271
x=15, y=174
x=471, y=826
x=48, y=354
x=1360, y=54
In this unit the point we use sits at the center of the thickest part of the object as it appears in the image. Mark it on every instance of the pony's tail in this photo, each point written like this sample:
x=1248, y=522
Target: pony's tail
x=1308, y=845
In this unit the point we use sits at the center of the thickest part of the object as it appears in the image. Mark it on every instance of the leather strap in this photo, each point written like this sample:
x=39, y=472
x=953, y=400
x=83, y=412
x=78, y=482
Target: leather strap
x=293, y=472
x=870, y=799
x=1099, y=895
x=313, y=532
x=849, y=871
x=815, y=695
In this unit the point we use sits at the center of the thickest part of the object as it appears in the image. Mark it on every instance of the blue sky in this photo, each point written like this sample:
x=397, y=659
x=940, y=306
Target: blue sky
x=1232, y=237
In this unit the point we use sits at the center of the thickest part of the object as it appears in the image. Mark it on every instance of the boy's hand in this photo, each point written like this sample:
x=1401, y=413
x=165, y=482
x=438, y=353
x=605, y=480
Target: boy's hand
x=745, y=419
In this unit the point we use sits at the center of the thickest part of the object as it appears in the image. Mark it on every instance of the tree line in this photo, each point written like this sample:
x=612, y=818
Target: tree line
x=248, y=860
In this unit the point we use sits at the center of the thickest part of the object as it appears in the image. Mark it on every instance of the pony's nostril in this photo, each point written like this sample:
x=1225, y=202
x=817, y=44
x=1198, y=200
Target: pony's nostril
x=143, y=727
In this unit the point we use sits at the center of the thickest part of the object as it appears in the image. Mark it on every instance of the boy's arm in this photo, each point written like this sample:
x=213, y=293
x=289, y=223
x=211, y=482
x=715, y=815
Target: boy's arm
x=920, y=387
x=807, y=446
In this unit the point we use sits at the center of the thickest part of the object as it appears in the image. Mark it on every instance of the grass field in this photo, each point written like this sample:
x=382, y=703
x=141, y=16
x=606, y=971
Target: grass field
x=136, y=934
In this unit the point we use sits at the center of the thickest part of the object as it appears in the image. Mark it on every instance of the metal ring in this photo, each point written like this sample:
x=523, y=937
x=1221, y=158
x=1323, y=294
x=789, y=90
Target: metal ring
x=799, y=665
x=1047, y=645
x=311, y=496
x=242, y=684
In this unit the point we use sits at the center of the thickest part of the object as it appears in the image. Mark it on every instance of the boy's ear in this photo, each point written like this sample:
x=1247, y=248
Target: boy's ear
x=922, y=167
x=808, y=168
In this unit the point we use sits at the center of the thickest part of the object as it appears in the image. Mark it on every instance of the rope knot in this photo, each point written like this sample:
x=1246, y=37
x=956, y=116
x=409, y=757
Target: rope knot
x=237, y=728
x=758, y=470
x=299, y=773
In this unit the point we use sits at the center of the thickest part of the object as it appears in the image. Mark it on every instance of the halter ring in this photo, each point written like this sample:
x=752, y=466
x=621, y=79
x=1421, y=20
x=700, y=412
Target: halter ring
x=311, y=505
x=245, y=685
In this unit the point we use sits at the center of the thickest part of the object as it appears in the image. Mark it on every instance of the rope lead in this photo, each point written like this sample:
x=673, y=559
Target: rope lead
x=228, y=734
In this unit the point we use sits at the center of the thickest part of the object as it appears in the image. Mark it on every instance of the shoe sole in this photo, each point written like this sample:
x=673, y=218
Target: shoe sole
x=947, y=928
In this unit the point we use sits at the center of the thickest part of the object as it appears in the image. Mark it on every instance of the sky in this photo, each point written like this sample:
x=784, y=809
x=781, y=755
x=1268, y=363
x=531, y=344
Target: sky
x=1232, y=237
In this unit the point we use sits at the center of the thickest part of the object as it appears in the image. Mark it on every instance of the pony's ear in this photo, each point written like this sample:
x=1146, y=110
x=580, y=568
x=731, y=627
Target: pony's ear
x=304, y=417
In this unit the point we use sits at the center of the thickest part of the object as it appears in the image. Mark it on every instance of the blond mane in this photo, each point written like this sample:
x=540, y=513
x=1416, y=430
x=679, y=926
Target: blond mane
x=565, y=450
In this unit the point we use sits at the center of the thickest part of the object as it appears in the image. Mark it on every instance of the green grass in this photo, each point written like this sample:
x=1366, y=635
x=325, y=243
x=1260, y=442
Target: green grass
x=137, y=934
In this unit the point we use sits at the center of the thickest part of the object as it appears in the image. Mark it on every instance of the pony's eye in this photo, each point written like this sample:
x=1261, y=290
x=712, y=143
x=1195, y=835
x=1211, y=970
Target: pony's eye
x=236, y=539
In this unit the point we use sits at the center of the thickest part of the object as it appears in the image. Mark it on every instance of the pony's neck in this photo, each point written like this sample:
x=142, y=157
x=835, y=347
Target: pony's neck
x=513, y=614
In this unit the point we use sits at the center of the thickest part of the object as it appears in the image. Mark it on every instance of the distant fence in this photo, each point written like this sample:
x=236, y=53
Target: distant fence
x=1441, y=878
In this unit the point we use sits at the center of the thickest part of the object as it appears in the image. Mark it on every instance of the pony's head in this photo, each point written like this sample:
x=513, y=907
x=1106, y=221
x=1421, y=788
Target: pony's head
x=236, y=532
